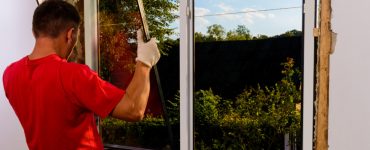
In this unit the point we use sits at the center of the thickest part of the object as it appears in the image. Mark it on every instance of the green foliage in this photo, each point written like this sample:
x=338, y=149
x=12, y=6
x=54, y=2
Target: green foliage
x=148, y=133
x=199, y=37
x=118, y=22
x=151, y=132
x=240, y=33
x=160, y=16
x=173, y=108
x=258, y=118
x=260, y=36
x=290, y=33
x=205, y=106
x=123, y=16
x=215, y=32
x=277, y=104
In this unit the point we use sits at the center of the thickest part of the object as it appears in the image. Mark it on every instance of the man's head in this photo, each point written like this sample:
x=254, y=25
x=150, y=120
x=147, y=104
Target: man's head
x=55, y=19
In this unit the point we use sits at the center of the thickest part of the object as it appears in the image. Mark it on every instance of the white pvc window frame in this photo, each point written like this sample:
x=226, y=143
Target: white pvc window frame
x=309, y=10
x=187, y=69
x=186, y=73
x=91, y=33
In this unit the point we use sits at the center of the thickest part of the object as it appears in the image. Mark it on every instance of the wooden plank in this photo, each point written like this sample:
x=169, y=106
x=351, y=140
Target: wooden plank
x=322, y=88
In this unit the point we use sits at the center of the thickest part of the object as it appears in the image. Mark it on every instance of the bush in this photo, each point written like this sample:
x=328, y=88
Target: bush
x=258, y=118
x=205, y=107
x=149, y=133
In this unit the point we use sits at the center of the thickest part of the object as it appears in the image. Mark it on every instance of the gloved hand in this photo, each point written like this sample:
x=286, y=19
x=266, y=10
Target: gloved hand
x=148, y=52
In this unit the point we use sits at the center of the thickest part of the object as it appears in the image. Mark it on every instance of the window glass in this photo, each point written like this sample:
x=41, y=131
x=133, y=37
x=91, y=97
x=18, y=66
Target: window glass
x=78, y=53
x=118, y=21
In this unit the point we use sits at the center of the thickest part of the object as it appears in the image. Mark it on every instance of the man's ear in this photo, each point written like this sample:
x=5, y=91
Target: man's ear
x=70, y=34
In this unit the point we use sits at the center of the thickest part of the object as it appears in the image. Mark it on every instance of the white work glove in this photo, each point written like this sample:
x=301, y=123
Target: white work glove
x=148, y=52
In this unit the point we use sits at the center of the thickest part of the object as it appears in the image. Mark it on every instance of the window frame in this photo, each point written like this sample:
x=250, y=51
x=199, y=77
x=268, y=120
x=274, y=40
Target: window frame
x=187, y=69
x=309, y=21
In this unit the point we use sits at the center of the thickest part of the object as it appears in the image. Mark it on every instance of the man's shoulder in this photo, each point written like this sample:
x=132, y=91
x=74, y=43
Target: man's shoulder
x=12, y=69
x=15, y=65
x=75, y=68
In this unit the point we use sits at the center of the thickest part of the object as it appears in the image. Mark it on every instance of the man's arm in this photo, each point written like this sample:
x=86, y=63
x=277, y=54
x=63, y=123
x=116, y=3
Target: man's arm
x=132, y=105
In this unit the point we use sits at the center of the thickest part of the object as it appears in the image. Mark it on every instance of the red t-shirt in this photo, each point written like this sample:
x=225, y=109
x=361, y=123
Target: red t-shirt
x=55, y=102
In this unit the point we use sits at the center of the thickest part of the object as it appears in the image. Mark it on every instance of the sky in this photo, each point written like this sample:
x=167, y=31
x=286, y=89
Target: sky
x=269, y=23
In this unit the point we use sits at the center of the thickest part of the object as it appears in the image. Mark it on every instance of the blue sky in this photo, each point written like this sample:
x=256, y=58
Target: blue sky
x=263, y=22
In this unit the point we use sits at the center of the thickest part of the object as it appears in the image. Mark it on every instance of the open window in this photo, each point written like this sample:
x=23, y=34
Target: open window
x=246, y=91
x=118, y=22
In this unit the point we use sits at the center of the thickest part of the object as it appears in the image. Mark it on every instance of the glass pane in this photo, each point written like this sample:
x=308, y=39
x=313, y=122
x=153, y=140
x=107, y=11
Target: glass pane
x=78, y=53
x=248, y=64
x=118, y=21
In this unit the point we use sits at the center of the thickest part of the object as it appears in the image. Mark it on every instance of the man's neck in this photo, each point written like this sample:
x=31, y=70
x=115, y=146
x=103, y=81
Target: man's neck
x=44, y=47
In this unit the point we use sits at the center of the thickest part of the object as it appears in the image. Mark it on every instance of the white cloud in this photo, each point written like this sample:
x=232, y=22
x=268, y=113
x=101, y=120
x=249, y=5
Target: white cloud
x=201, y=23
x=230, y=17
x=271, y=15
x=225, y=8
x=248, y=18
x=245, y=18
x=253, y=14
x=199, y=11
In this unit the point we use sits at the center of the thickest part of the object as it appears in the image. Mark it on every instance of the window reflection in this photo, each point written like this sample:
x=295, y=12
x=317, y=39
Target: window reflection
x=78, y=52
x=118, y=21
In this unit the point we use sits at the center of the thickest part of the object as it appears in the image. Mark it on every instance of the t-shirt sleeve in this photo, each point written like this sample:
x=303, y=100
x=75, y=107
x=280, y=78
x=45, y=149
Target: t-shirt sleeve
x=88, y=90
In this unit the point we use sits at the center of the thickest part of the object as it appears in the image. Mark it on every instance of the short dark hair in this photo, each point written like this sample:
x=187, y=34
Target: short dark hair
x=53, y=17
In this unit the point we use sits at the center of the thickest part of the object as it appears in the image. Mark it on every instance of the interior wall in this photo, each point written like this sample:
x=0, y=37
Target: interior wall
x=16, y=42
x=349, y=106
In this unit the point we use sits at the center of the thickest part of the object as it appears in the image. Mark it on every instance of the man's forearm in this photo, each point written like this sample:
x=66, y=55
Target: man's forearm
x=139, y=87
x=133, y=104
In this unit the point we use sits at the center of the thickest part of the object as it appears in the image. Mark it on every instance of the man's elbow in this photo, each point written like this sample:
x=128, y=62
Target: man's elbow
x=134, y=115
x=131, y=116
x=137, y=116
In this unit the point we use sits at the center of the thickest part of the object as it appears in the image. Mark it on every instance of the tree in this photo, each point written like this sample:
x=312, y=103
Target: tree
x=118, y=21
x=290, y=33
x=240, y=33
x=160, y=16
x=199, y=37
x=123, y=16
x=215, y=32
x=260, y=36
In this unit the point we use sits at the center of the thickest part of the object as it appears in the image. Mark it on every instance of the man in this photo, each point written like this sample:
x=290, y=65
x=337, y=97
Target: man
x=54, y=100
